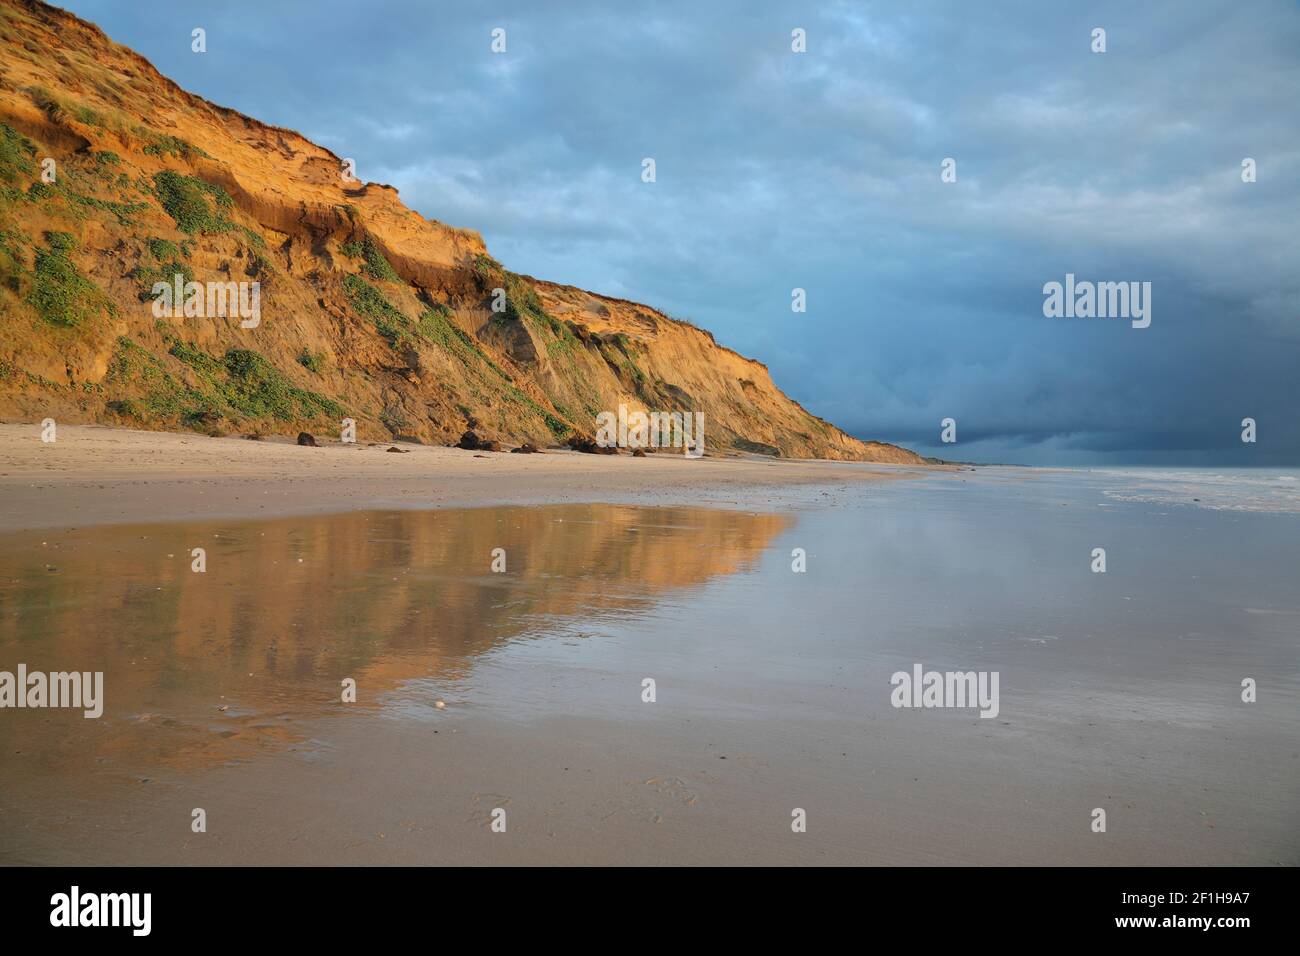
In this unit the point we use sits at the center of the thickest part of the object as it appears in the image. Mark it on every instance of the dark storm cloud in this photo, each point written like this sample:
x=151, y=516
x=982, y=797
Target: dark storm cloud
x=821, y=171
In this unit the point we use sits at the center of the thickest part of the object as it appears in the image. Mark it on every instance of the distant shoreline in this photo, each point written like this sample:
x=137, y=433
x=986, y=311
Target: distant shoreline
x=95, y=475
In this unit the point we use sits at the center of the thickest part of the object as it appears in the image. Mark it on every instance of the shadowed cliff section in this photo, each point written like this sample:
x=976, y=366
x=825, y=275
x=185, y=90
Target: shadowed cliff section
x=368, y=310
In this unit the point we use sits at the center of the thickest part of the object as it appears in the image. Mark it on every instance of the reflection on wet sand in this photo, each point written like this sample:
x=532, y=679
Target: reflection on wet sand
x=200, y=668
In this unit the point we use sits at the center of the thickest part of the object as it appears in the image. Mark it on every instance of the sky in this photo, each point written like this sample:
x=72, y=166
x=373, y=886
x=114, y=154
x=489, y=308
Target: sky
x=822, y=170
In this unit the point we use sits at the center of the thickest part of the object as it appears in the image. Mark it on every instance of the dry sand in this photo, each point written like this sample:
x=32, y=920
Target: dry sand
x=96, y=475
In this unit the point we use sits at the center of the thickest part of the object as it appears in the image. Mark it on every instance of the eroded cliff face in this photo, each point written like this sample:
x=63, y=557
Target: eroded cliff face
x=366, y=309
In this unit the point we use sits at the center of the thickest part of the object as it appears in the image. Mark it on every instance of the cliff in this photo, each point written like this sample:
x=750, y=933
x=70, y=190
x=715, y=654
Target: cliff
x=113, y=179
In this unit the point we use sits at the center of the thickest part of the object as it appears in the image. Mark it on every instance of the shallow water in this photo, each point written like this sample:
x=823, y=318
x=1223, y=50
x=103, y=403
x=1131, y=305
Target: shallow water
x=1119, y=690
x=1230, y=489
x=198, y=665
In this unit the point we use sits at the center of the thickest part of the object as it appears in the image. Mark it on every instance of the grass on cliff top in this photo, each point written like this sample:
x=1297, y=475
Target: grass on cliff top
x=488, y=269
x=62, y=110
x=521, y=301
x=162, y=144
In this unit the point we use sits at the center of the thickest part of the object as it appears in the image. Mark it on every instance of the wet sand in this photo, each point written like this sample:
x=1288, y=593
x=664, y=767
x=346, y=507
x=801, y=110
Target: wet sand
x=1119, y=690
x=95, y=475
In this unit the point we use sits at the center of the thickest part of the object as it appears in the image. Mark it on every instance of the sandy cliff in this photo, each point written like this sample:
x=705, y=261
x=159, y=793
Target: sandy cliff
x=367, y=309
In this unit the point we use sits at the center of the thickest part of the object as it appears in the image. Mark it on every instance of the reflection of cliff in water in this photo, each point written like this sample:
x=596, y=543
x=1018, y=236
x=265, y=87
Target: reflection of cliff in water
x=287, y=608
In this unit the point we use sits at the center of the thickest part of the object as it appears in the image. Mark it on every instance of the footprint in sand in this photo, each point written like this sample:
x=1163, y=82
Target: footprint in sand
x=484, y=804
x=675, y=789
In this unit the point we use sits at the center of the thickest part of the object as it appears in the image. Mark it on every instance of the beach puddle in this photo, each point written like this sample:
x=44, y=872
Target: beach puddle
x=205, y=667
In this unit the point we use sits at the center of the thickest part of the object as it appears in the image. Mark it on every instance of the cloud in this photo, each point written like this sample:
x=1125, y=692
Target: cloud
x=821, y=170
